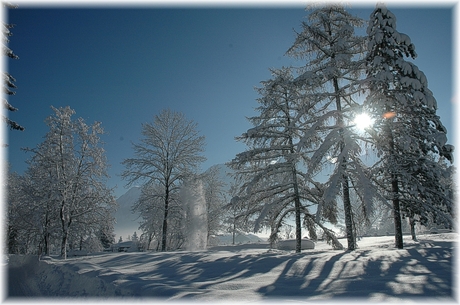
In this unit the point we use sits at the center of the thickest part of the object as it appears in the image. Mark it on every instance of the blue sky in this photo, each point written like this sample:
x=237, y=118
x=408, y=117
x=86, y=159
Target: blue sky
x=122, y=66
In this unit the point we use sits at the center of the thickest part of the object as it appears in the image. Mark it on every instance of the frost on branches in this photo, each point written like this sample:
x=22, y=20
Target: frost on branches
x=274, y=185
x=330, y=80
x=65, y=185
x=169, y=152
x=306, y=131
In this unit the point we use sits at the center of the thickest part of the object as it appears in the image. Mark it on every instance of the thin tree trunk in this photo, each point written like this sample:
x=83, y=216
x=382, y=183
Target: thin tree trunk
x=47, y=235
x=47, y=243
x=64, y=233
x=345, y=187
x=297, y=204
x=165, y=221
x=234, y=230
x=348, y=214
x=12, y=244
x=395, y=194
x=298, y=228
x=412, y=228
x=64, y=245
x=81, y=242
x=149, y=240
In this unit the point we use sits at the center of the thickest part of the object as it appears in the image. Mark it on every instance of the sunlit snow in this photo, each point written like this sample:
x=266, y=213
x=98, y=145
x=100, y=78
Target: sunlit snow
x=377, y=271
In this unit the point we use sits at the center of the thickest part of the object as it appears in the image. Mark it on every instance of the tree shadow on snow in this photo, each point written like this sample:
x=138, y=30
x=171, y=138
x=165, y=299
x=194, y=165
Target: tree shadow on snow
x=420, y=270
x=415, y=272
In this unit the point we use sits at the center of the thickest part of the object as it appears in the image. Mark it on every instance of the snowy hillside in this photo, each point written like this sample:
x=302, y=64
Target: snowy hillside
x=126, y=221
x=224, y=174
x=250, y=272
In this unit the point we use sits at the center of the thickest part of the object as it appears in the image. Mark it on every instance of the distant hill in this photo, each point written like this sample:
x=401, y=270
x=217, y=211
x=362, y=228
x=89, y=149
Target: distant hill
x=127, y=221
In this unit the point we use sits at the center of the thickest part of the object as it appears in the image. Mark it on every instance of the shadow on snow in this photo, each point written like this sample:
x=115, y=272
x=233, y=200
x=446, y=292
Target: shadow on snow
x=420, y=270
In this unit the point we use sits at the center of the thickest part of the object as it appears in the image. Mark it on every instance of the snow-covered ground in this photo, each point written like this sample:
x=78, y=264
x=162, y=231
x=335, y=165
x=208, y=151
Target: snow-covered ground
x=423, y=271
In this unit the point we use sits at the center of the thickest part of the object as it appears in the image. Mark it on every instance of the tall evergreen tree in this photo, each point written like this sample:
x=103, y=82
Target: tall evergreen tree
x=411, y=138
x=330, y=79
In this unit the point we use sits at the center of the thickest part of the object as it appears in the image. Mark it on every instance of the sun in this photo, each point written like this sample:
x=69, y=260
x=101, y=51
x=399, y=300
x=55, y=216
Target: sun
x=362, y=121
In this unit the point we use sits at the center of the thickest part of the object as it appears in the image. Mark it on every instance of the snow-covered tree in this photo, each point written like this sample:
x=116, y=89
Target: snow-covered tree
x=275, y=187
x=334, y=65
x=150, y=206
x=92, y=231
x=235, y=219
x=411, y=138
x=214, y=196
x=105, y=234
x=73, y=161
x=36, y=189
x=20, y=225
x=169, y=151
x=9, y=80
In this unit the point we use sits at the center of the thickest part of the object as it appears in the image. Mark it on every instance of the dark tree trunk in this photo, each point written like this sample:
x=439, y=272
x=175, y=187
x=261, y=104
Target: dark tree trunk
x=298, y=228
x=165, y=221
x=297, y=204
x=12, y=243
x=395, y=192
x=149, y=240
x=397, y=213
x=81, y=242
x=47, y=243
x=47, y=235
x=234, y=230
x=348, y=214
x=345, y=187
x=64, y=232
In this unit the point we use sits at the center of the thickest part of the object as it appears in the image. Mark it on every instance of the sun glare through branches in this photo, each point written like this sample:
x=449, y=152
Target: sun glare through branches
x=363, y=121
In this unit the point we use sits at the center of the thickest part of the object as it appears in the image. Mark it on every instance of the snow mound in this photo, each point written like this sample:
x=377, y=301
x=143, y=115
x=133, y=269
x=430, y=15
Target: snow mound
x=27, y=277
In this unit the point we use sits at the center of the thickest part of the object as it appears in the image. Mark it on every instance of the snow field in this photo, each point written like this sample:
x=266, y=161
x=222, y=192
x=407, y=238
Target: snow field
x=423, y=271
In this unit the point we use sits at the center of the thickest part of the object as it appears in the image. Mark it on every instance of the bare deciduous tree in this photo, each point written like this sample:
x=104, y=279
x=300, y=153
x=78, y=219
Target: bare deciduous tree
x=169, y=151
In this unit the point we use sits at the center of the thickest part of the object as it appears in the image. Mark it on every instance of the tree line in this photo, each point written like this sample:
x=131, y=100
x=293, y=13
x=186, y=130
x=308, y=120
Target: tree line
x=62, y=201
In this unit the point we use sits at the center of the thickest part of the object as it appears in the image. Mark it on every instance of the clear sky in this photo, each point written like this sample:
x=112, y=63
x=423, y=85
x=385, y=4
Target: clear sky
x=122, y=66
